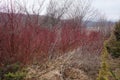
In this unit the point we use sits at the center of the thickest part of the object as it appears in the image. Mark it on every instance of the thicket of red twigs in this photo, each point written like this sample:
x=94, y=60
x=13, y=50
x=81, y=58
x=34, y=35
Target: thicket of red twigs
x=25, y=43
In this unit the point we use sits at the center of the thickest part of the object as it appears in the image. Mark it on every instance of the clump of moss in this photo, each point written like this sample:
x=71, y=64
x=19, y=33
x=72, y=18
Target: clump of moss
x=19, y=75
x=12, y=72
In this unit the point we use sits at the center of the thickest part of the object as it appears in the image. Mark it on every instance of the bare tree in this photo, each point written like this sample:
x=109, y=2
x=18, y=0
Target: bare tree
x=80, y=11
x=55, y=11
x=104, y=26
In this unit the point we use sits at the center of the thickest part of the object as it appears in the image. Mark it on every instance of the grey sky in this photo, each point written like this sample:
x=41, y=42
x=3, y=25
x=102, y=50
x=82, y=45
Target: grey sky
x=111, y=8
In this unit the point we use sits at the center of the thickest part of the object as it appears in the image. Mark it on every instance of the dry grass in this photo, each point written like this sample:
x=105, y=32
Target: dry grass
x=68, y=67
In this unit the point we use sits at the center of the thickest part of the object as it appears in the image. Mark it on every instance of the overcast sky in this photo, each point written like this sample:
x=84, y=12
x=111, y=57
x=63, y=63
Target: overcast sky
x=111, y=8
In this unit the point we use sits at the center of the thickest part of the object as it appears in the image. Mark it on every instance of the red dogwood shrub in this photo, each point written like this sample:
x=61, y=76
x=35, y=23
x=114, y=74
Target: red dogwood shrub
x=23, y=41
